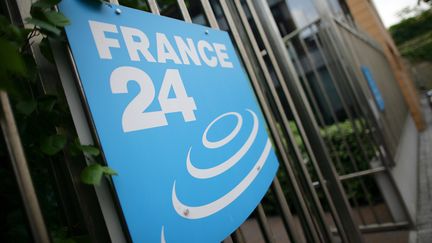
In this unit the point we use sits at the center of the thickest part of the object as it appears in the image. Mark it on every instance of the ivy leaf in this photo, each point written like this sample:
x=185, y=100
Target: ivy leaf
x=53, y=144
x=47, y=102
x=45, y=4
x=90, y=150
x=26, y=107
x=10, y=59
x=108, y=171
x=45, y=49
x=56, y=18
x=43, y=25
x=92, y=174
x=41, y=5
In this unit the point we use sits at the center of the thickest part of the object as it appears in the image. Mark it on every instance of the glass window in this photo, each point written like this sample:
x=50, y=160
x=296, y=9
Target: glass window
x=292, y=14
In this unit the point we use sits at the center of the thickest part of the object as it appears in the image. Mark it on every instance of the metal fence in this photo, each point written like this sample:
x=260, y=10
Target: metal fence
x=370, y=54
x=326, y=78
x=335, y=150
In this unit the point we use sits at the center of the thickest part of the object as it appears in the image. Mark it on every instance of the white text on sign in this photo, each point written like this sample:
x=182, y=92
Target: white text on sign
x=185, y=51
x=182, y=51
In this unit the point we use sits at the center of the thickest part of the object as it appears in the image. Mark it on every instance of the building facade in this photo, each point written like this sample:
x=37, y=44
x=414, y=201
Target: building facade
x=367, y=18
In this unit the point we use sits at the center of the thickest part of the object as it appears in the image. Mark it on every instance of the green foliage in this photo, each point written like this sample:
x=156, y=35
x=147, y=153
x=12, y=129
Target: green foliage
x=53, y=144
x=19, y=70
x=137, y=4
x=93, y=173
x=89, y=150
x=413, y=36
x=44, y=123
x=26, y=107
x=412, y=27
x=347, y=148
x=419, y=48
x=45, y=19
x=342, y=138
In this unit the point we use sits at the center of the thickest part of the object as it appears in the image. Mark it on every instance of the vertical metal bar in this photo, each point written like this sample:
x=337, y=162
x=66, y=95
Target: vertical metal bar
x=263, y=222
x=336, y=120
x=357, y=87
x=95, y=223
x=310, y=125
x=328, y=102
x=383, y=129
x=306, y=84
x=270, y=119
x=209, y=14
x=262, y=219
x=306, y=142
x=350, y=87
x=287, y=217
x=228, y=240
x=74, y=93
x=22, y=172
x=238, y=236
x=154, y=6
x=337, y=43
x=308, y=186
x=346, y=89
x=332, y=147
x=343, y=96
x=184, y=11
x=384, y=150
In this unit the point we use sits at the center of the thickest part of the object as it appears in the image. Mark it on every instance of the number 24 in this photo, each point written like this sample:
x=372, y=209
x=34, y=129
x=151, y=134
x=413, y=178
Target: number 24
x=134, y=116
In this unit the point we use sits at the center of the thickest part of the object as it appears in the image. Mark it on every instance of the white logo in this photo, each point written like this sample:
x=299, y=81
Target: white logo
x=198, y=212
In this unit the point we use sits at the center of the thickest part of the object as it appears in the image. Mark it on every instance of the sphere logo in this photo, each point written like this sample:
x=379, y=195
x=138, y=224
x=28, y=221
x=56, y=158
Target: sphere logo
x=205, y=210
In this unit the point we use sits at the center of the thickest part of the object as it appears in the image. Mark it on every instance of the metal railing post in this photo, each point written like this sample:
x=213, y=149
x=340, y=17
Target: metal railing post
x=306, y=115
x=21, y=171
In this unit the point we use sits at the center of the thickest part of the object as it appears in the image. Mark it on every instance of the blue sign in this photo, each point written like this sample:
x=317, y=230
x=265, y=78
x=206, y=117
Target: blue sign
x=374, y=88
x=176, y=117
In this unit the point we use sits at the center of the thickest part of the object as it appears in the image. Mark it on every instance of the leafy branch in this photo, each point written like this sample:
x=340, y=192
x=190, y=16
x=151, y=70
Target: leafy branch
x=34, y=109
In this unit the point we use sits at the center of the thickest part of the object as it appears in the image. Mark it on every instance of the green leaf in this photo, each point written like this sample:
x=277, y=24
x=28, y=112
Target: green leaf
x=108, y=171
x=43, y=25
x=56, y=18
x=47, y=102
x=10, y=59
x=45, y=4
x=41, y=5
x=92, y=174
x=26, y=107
x=53, y=144
x=90, y=150
x=45, y=49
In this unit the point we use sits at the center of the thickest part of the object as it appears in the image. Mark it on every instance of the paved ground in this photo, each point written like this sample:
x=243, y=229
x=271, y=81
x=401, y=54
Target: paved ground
x=424, y=208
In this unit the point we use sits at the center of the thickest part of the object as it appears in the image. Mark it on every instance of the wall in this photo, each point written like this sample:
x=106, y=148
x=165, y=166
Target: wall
x=405, y=171
x=367, y=18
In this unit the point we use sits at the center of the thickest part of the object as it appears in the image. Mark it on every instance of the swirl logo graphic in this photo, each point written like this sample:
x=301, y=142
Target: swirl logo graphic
x=202, y=211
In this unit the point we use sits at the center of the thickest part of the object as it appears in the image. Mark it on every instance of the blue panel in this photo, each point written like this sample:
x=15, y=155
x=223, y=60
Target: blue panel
x=374, y=88
x=177, y=119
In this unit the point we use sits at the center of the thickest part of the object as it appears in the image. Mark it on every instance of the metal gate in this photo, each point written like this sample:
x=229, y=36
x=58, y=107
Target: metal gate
x=335, y=149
